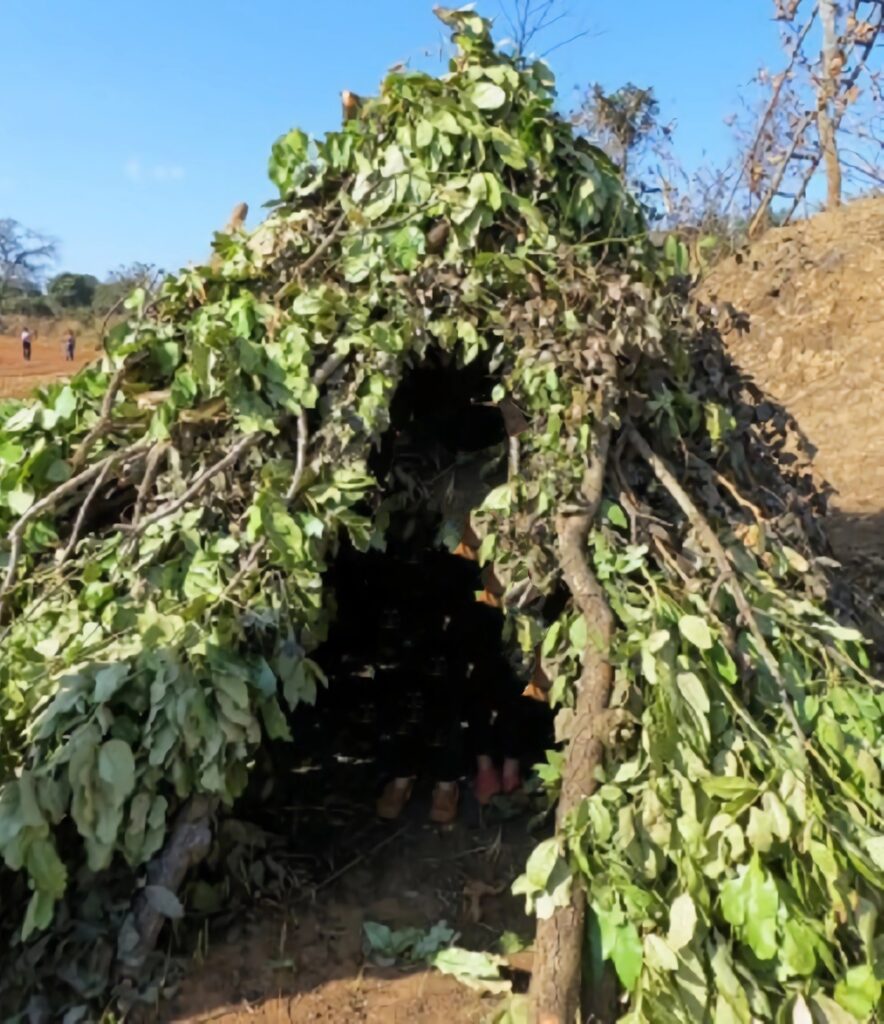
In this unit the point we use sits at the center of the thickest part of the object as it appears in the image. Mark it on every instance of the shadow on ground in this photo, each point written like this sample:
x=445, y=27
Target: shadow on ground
x=302, y=958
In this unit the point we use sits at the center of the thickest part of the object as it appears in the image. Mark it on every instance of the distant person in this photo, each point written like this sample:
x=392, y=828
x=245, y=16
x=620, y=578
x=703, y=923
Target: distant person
x=26, y=344
x=70, y=344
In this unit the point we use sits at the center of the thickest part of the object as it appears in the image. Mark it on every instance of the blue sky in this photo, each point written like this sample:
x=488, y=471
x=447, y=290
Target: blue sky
x=128, y=131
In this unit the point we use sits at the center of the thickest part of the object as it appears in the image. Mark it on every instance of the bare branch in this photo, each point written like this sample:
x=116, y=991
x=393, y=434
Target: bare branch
x=70, y=486
x=151, y=470
x=84, y=509
x=782, y=78
x=194, y=489
x=710, y=541
x=24, y=254
x=104, y=416
x=865, y=49
x=774, y=187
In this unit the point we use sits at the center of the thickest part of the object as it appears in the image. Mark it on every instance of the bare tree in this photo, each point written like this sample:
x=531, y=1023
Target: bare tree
x=529, y=19
x=823, y=109
x=625, y=123
x=112, y=293
x=831, y=64
x=25, y=256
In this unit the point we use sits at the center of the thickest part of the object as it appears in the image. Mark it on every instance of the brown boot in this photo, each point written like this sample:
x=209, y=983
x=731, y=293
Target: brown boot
x=443, y=810
x=394, y=798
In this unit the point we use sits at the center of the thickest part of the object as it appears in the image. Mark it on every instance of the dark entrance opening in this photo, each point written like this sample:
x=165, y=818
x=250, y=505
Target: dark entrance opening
x=420, y=682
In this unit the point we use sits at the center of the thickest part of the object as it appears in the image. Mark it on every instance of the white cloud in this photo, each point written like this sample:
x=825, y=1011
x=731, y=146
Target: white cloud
x=167, y=172
x=132, y=169
x=137, y=172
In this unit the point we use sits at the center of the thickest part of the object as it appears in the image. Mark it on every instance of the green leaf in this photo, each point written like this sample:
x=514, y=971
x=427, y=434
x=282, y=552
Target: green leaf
x=499, y=499
x=478, y=971
x=875, y=848
x=551, y=639
x=109, y=680
x=830, y=1012
x=512, y=942
x=750, y=903
x=45, y=867
x=695, y=630
x=10, y=453
x=287, y=160
x=628, y=955
x=445, y=121
x=66, y=403
x=693, y=692
x=759, y=831
x=728, y=787
x=116, y=767
x=724, y=664
x=308, y=304
x=658, y=955
x=487, y=96
x=19, y=500
x=797, y=951
x=438, y=937
x=859, y=991
x=38, y=915
x=234, y=688
x=615, y=514
x=682, y=922
x=275, y=724
x=578, y=634
x=509, y=149
x=540, y=864
x=58, y=471
x=424, y=133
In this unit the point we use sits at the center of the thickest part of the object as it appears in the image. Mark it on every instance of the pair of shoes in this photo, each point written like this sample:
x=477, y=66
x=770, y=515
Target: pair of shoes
x=487, y=785
x=393, y=799
x=443, y=809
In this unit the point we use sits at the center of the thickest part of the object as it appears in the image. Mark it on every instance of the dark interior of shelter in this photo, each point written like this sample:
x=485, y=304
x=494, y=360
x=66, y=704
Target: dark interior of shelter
x=421, y=680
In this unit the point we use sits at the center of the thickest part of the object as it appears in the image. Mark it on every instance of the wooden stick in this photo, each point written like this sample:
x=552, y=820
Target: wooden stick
x=244, y=443
x=189, y=841
x=151, y=471
x=323, y=246
x=556, y=981
x=47, y=502
x=771, y=106
x=104, y=416
x=81, y=515
x=713, y=545
x=860, y=66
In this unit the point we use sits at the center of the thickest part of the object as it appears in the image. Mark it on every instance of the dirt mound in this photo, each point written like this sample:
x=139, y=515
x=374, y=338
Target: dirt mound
x=814, y=296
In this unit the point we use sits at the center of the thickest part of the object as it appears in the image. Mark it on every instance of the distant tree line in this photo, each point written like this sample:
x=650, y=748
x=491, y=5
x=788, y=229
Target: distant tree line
x=26, y=287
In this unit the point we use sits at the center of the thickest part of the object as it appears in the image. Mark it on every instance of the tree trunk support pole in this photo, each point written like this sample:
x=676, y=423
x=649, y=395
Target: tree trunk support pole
x=556, y=982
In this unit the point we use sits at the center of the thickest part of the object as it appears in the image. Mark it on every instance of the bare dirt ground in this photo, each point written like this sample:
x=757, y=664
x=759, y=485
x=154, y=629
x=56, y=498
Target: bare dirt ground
x=302, y=958
x=814, y=295
x=18, y=378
